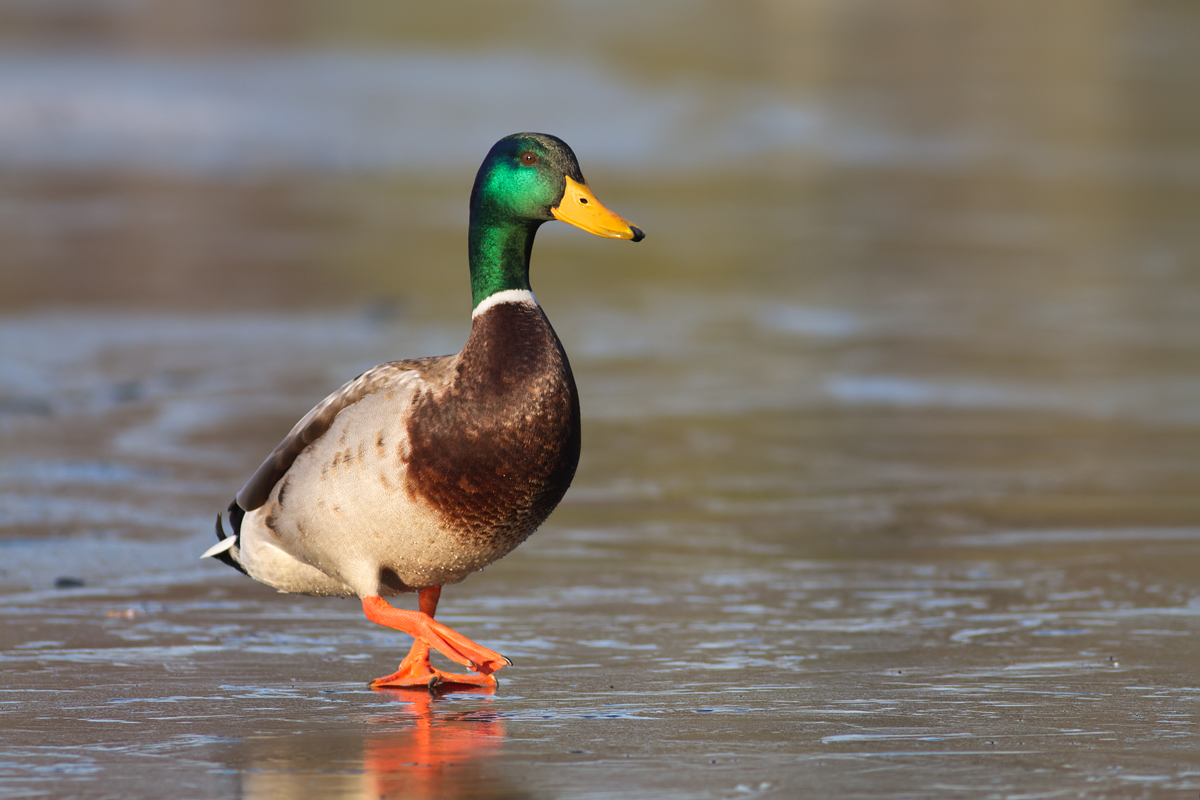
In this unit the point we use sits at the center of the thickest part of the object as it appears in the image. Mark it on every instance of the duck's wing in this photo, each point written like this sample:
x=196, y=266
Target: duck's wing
x=316, y=422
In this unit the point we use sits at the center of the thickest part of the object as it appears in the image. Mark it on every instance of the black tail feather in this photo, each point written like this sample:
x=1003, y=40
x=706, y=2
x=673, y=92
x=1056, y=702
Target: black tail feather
x=236, y=513
x=235, y=521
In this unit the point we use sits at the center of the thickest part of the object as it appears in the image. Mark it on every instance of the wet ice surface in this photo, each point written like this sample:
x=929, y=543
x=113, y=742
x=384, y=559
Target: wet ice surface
x=765, y=594
x=892, y=424
x=856, y=679
x=689, y=676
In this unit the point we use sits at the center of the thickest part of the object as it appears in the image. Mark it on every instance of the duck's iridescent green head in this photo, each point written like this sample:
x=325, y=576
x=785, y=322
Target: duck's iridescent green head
x=528, y=179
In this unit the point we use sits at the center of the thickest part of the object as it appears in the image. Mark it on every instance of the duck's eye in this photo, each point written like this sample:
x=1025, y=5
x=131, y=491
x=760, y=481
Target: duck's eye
x=528, y=158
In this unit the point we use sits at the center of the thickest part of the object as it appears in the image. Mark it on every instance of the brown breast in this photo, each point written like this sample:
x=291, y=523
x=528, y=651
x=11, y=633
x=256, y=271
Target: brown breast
x=495, y=452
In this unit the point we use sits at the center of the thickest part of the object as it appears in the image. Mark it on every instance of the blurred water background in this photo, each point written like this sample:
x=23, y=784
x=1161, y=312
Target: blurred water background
x=892, y=424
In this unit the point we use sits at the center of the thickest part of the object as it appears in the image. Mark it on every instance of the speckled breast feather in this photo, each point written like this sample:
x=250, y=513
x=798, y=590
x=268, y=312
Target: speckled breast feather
x=495, y=452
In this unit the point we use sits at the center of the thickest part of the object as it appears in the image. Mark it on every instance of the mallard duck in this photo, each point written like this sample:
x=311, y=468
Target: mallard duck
x=417, y=473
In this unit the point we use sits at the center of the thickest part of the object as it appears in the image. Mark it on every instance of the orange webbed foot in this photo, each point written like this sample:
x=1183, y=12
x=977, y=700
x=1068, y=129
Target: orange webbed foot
x=416, y=670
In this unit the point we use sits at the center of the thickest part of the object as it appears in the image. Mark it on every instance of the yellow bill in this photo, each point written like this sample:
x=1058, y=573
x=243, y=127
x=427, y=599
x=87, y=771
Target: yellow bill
x=580, y=208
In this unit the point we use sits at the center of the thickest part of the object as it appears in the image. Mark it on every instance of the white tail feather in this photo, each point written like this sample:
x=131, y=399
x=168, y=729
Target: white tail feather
x=220, y=547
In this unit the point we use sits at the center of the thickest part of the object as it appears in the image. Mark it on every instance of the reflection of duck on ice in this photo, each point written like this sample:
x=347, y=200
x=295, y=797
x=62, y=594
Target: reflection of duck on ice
x=442, y=756
x=417, y=473
x=419, y=751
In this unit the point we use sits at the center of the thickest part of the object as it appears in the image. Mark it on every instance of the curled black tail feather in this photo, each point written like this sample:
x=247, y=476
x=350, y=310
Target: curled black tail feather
x=235, y=522
x=236, y=513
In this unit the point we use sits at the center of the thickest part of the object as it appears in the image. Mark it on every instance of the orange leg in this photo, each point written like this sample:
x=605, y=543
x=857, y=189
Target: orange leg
x=415, y=669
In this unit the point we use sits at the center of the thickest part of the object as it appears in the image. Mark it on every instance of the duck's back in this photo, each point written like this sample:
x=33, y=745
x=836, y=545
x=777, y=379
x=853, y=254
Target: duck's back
x=426, y=474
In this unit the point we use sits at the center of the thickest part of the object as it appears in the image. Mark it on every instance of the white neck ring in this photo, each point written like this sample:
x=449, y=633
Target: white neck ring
x=507, y=296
